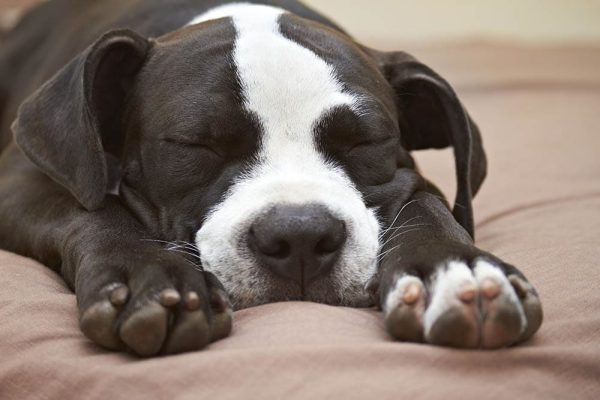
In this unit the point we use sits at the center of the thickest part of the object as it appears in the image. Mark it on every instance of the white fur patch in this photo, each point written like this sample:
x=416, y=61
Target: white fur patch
x=485, y=270
x=395, y=295
x=447, y=283
x=289, y=88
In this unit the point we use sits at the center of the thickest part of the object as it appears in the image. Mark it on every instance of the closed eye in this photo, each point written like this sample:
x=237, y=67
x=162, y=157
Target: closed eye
x=374, y=142
x=193, y=145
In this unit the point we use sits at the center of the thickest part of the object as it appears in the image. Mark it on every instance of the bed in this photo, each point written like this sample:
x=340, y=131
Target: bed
x=539, y=112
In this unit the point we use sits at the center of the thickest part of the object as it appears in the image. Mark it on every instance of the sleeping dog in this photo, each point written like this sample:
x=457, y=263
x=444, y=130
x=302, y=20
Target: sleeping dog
x=176, y=160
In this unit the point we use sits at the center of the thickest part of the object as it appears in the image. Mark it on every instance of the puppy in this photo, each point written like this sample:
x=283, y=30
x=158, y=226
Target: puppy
x=175, y=160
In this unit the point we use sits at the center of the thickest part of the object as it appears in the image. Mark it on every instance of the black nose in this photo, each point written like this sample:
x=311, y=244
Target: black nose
x=299, y=243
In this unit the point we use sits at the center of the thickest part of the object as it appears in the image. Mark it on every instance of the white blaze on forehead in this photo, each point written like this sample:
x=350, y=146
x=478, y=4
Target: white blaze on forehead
x=225, y=11
x=286, y=85
x=289, y=89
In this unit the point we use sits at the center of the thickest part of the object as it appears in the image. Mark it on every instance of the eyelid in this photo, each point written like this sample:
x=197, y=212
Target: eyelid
x=374, y=141
x=191, y=143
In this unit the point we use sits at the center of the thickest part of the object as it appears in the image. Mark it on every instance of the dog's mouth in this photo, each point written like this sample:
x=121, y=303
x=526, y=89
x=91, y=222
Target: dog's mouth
x=326, y=290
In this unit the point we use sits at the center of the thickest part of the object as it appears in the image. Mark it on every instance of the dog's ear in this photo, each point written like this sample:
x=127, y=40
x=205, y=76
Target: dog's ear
x=68, y=124
x=431, y=116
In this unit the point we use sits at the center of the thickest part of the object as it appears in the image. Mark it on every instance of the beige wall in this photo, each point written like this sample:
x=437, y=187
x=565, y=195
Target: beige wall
x=410, y=21
x=10, y=10
x=547, y=21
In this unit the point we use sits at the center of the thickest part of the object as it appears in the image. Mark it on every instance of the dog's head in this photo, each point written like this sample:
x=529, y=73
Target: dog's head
x=273, y=142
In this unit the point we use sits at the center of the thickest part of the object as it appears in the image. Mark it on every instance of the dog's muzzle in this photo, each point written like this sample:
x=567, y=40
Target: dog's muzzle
x=297, y=231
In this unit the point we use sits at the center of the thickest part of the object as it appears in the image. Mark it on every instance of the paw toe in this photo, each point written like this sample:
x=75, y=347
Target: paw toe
x=403, y=324
x=404, y=307
x=146, y=329
x=456, y=327
x=222, y=320
x=221, y=325
x=503, y=319
x=531, y=303
x=97, y=323
x=191, y=332
x=502, y=326
x=452, y=317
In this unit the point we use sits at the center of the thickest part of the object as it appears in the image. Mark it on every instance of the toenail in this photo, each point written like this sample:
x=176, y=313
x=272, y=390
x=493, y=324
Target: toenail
x=412, y=294
x=490, y=289
x=468, y=293
x=169, y=297
x=119, y=296
x=192, y=301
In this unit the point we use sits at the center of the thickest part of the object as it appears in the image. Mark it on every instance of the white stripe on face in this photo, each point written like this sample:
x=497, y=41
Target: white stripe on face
x=289, y=89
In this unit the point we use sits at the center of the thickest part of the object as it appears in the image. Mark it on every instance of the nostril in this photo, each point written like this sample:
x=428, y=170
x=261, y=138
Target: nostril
x=324, y=247
x=271, y=248
x=333, y=240
x=279, y=249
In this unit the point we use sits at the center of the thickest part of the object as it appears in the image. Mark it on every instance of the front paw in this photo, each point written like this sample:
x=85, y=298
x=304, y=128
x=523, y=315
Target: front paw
x=467, y=302
x=150, y=302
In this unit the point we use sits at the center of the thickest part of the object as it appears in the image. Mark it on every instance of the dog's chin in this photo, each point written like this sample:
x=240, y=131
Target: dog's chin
x=261, y=287
x=317, y=293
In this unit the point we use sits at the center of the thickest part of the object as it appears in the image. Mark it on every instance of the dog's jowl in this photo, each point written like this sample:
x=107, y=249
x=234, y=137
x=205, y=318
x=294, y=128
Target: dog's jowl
x=177, y=160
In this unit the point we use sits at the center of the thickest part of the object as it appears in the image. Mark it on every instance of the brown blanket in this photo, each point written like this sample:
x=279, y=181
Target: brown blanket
x=539, y=112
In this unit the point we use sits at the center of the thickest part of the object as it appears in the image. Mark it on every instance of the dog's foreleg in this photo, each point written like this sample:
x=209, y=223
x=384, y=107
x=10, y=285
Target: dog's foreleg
x=128, y=286
x=436, y=286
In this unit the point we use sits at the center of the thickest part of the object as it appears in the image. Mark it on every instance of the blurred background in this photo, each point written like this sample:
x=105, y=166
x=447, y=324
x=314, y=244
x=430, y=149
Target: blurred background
x=376, y=22
x=435, y=21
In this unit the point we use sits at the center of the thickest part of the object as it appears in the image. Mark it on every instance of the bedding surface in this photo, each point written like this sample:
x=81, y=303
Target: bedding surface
x=539, y=113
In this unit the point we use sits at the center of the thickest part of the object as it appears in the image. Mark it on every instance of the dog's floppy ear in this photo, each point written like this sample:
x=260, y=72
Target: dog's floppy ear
x=431, y=116
x=68, y=124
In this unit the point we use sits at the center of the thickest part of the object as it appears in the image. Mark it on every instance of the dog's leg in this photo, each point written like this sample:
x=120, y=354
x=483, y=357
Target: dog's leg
x=132, y=292
x=436, y=286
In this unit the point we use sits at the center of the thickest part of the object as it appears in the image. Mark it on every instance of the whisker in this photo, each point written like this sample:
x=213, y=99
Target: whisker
x=184, y=248
x=400, y=212
x=400, y=233
x=177, y=244
x=188, y=245
x=197, y=267
x=398, y=227
x=182, y=244
x=183, y=252
x=191, y=249
x=381, y=255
